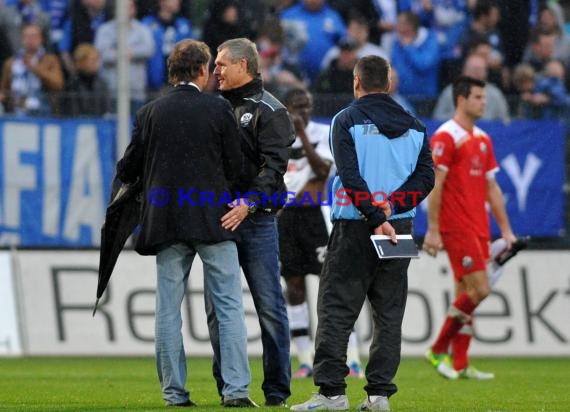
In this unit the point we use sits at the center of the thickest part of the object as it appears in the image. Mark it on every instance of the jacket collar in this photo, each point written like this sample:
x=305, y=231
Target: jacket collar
x=249, y=89
x=186, y=87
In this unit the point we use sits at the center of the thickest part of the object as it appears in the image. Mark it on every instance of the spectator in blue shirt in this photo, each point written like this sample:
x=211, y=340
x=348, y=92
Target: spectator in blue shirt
x=415, y=55
x=551, y=84
x=85, y=18
x=319, y=25
x=448, y=19
x=168, y=28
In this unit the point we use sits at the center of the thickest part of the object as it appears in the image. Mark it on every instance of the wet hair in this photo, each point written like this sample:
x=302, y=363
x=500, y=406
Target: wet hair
x=186, y=60
x=462, y=87
x=242, y=48
x=373, y=72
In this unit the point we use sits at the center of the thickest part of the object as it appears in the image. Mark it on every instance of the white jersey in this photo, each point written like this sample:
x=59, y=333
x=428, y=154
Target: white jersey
x=299, y=171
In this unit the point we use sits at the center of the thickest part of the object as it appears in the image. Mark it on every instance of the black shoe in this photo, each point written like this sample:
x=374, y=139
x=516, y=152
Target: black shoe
x=186, y=404
x=518, y=245
x=274, y=401
x=240, y=403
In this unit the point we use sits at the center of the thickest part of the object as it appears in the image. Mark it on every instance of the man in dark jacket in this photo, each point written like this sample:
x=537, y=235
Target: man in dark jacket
x=378, y=148
x=185, y=148
x=266, y=134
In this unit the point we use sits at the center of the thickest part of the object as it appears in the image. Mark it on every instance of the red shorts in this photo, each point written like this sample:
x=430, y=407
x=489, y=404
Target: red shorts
x=467, y=252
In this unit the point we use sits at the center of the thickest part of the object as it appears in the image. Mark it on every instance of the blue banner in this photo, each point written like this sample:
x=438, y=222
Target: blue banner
x=55, y=180
x=531, y=160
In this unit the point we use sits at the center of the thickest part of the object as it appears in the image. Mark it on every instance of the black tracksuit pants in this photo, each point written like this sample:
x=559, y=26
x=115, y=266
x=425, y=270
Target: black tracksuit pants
x=352, y=271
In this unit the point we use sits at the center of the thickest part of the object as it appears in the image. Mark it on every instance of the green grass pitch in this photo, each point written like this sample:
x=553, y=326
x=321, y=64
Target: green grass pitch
x=115, y=384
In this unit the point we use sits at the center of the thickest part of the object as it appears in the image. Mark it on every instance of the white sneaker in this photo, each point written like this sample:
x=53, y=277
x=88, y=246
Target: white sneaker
x=471, y=372
x=441, y=364
x=380, y=404
x=320, y=402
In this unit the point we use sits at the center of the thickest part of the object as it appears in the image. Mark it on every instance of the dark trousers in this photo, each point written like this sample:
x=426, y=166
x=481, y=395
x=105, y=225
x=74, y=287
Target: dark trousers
x=352, y=271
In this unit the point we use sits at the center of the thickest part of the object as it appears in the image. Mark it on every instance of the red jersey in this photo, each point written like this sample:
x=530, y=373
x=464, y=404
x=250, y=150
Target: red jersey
x=469, y=160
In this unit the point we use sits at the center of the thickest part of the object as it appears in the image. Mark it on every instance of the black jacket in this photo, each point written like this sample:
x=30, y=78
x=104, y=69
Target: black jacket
x=86, y=96
x=186, y=149
x=266, y=136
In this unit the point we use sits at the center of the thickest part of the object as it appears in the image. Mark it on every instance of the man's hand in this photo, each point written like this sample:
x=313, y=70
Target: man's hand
x=510, y=238
x=386, y=208
x=388, y=230
x=298, y=122
x=432, y=242
x=239, y=210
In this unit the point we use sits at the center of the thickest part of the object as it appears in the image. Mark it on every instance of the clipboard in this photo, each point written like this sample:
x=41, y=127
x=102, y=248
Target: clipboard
x=405, y=248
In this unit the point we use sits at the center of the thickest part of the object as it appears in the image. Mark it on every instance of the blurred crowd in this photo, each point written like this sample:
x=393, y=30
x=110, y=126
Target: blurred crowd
x=59, y=57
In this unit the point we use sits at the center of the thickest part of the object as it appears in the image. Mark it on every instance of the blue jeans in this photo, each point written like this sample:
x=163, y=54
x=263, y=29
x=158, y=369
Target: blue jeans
x=222, y=279
x=258, y=251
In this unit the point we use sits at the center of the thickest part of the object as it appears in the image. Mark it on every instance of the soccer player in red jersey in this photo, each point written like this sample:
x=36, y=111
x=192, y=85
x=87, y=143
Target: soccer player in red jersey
x=458, y=221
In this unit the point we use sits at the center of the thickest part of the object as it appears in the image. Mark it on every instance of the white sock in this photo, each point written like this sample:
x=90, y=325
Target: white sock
x=352, y=352
x=373, y=398
x=304, y=350
x=298, y=316
x=299, y=324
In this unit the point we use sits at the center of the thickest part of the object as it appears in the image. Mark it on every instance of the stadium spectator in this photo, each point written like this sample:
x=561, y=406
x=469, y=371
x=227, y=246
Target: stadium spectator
x=548, y=21
x=458, y=221
x=528, y=102
x=225, y=21
x=85, y=18
x=168, y=28
x=86, y=93
x=416, y=56
x=496, y=72
x=28, y=77
x=358, y=31
x=496, y=108
x=338, y=76
x=319, y=26
x=23, y=12
x=550, y=83
x=162, y=155
x=140, y=49
x=387, y=11
x=542, y=96
x=486, y=17
x=352, y=271
x=267, y=133
x=449, y=19
x=150, y=7
x=303, y=232
x=541, y=49
x=255, y=13
x=278, y=76
x=395, y=93
x=369, y=9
